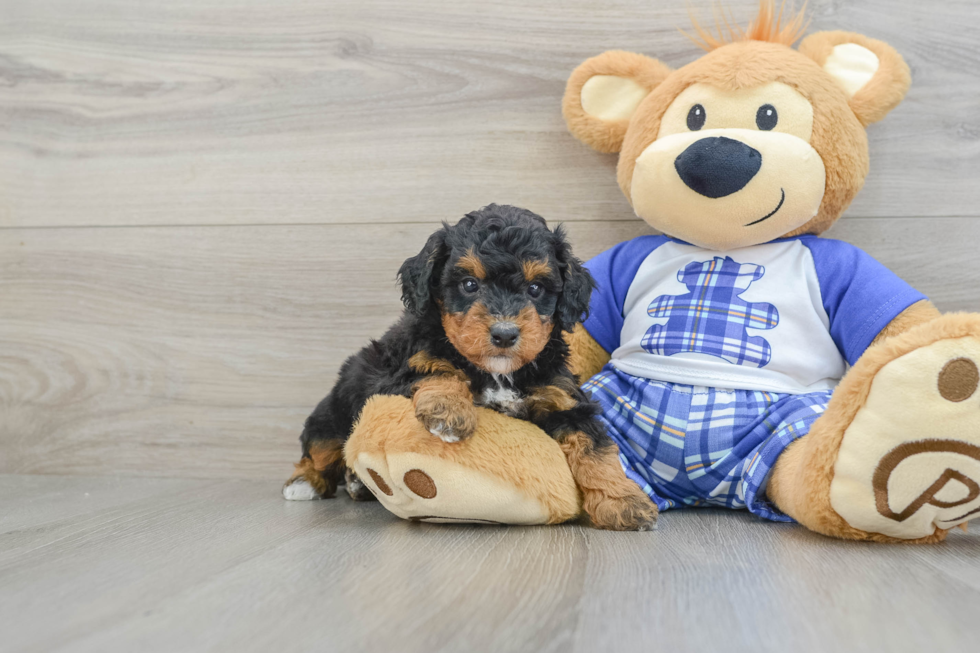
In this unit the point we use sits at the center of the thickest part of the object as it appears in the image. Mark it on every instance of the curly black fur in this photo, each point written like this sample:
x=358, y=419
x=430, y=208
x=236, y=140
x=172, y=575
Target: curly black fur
x=502, y=237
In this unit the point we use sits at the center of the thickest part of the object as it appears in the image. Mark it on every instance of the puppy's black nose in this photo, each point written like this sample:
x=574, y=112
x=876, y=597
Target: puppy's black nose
x=717, y=166
x=504, y=334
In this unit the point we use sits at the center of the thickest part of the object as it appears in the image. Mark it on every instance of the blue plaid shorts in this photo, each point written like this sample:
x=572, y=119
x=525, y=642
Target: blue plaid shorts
x=696, y=446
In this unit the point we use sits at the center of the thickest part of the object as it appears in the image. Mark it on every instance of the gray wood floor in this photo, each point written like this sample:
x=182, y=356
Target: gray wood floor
x=120, y=564
x=202, y=207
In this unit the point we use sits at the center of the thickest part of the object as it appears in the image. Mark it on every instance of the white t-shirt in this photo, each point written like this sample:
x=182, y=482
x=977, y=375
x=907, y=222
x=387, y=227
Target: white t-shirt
x=785, y=316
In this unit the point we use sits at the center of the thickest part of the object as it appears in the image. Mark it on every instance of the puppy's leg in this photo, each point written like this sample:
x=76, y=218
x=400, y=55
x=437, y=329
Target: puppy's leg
x=321, y=469
x=444, y=405
x=318, y=472
x=611, y=500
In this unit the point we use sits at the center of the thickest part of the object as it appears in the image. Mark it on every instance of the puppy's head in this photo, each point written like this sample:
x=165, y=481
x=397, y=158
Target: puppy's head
x=502, y=283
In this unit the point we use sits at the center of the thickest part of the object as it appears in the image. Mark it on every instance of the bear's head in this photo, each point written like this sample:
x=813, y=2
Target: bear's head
x=751, y=142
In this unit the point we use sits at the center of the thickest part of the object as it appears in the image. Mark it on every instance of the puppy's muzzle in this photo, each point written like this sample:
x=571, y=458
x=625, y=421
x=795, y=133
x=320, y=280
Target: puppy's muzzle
x=504, y=335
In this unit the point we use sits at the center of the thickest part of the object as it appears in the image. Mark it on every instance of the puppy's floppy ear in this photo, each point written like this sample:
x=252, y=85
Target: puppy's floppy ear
x=420, y=273
x=873, y=75
x=604, y=91
x=577, y=284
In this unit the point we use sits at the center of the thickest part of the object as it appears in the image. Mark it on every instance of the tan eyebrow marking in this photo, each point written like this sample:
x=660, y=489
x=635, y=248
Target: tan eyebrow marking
x=534, y=269
x=470, y=263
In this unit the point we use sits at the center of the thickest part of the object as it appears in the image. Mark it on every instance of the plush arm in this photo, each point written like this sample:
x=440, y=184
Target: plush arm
x=916, y=314
x=587, y=356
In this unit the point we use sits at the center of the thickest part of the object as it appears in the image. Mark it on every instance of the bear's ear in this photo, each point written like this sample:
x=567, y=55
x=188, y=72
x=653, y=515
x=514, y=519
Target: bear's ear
x=604, y=91
x=873, y=75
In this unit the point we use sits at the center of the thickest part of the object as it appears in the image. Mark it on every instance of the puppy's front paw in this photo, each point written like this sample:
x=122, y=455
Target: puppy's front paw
x=634, y=512
x=449, y=418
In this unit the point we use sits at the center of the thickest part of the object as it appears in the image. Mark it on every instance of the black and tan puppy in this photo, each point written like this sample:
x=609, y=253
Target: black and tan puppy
x=486, y=303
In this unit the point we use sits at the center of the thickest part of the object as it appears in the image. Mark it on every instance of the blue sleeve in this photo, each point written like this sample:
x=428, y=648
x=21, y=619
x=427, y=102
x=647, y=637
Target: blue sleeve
x=861, y=296
x=613, y=271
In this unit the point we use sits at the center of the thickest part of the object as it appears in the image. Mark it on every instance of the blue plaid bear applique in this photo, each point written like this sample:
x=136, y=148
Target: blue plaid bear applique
x=712, y=319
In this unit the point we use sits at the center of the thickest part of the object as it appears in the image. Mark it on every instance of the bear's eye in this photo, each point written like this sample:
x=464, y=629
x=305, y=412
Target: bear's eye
x=766, y=117
x=695, y=118
x=469, y=286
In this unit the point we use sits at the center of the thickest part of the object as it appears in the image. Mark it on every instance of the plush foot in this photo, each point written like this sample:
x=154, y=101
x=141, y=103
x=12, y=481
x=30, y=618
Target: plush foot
x=908, y=466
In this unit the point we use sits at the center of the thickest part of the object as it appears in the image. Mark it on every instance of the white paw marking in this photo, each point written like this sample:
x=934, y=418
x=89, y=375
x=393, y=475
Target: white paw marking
x=444, y=433
x=355, y=486
x=299, y=490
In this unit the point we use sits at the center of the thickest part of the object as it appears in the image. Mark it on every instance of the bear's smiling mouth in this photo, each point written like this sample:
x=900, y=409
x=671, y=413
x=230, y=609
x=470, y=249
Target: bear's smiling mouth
x=769, y=215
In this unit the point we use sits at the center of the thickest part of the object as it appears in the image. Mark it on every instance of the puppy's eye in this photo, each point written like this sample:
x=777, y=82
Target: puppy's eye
x=469, y=286
x=766, y=117
x=696, y=118
x=535, y=290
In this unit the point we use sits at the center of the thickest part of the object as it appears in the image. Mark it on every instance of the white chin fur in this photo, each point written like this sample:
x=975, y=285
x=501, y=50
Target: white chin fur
x=499, y=364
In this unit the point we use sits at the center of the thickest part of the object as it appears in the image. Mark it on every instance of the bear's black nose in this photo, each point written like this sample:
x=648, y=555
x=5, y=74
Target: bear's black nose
x=717, y=166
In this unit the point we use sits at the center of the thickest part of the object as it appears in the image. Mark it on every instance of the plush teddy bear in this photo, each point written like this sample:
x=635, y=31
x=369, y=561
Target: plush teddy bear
x=739, y=359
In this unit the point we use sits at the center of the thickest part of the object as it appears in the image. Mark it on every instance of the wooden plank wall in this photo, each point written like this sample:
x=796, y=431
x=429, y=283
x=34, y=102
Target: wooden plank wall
x=203, y=202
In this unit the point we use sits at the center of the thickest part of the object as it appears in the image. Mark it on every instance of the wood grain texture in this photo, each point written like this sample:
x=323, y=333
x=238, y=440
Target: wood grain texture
x=199, y=351
x=207, y=566
x=125, y=112
x=202, y=207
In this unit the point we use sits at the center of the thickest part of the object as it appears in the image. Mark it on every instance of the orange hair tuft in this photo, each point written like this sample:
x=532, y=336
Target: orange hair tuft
x=767, y=26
